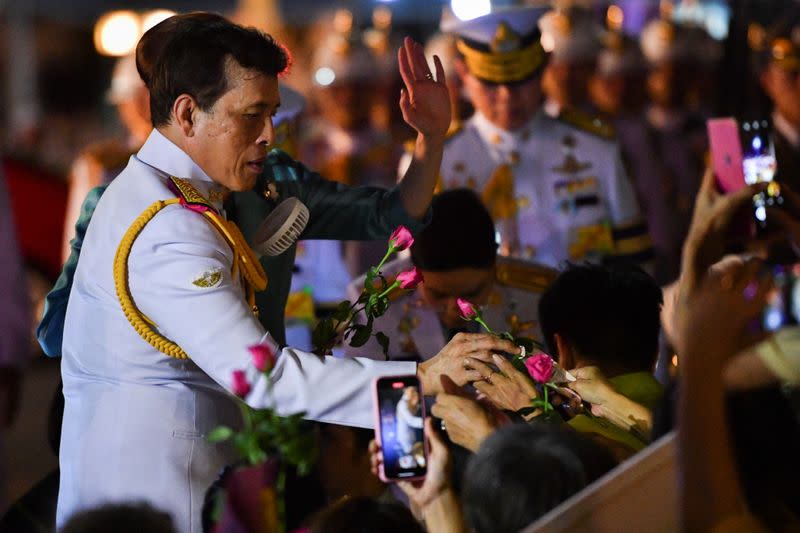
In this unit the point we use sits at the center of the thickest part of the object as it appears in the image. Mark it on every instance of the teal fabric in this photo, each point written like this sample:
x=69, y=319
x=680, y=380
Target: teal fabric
x=336, y=212
x=51, y=329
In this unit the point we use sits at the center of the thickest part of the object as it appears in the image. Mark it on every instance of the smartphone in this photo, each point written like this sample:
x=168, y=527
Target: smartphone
x=726, y=154
x=783, y=300
x=743, y=153
x=760, y=165
x=399, y=427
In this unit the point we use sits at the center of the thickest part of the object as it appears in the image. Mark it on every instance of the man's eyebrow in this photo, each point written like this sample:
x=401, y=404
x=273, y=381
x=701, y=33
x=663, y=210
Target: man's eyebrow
x=265, y=105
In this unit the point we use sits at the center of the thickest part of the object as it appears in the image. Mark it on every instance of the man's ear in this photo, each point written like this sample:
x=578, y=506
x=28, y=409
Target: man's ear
x=566, y=355
x=183, y=110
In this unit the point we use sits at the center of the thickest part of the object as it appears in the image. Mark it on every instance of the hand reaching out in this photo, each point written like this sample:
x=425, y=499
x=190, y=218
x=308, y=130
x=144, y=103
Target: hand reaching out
x=508, y=389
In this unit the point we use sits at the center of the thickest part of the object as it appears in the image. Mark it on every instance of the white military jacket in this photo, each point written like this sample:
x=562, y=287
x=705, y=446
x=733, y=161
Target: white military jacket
x=415, y=331
x=136, y=420
x=556, y=192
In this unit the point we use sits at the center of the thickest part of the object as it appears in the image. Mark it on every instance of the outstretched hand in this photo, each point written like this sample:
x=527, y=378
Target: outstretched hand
x=425, y=102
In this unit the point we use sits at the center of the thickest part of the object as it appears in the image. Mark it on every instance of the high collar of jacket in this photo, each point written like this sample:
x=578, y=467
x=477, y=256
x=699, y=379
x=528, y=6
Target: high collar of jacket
x=165, y=156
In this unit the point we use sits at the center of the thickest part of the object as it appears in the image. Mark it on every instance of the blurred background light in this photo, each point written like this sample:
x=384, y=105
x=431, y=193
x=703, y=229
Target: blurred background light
x=152, y=18
x=324, y=76
x=116, y=33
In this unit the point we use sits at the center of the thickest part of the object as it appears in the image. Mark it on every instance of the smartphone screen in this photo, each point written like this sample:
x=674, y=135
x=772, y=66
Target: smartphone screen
x=783, y=301
x=401, y=413
x=760, y=165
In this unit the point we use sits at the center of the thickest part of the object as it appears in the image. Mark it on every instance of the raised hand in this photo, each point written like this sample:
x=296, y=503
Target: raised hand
x=425, y=102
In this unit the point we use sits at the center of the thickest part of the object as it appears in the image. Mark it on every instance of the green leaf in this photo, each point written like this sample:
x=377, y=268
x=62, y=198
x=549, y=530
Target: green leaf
x=323, y=334
x=220, y=434
x=256, y=455
x=383, y=340
x=371, y=302
x=342, y=311
x=360, y=335
x=380, y=306
x=372, y=273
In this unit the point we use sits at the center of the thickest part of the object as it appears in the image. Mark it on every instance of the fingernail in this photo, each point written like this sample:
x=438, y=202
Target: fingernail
x=497, y=358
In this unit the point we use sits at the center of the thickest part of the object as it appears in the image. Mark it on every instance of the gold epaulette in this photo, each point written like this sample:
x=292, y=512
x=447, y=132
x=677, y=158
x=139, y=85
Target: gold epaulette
x=531, y=277
x=189, y=194
x=587, y=123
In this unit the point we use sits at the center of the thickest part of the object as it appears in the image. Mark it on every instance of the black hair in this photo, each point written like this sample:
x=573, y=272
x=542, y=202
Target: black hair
x=461, y=234
x=151, y=46
x=524, y=470
x=193, y=60
x=610, y=315
x=365, y=515
x=122, y=518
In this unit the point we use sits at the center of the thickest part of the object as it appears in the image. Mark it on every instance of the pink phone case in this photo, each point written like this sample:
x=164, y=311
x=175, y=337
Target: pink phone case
x=726, y=153
x=378, y=436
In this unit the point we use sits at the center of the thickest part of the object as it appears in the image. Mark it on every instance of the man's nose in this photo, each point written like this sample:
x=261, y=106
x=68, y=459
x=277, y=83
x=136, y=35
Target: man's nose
x=267, y=136
x=504, y=91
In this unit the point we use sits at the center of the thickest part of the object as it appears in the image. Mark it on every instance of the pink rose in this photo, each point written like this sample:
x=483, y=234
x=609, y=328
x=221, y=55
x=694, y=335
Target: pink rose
x=241, y=387
x=401, y=239
x=540, y=367
x=263, y=357
x=410, y=278
x=467, y=310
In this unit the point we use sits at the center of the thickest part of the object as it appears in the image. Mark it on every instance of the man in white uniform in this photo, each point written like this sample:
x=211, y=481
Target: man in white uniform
x=556, y=187
x=162, y=275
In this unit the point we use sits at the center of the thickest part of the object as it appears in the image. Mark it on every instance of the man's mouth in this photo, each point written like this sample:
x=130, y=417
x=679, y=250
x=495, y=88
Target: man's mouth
x=256, y=165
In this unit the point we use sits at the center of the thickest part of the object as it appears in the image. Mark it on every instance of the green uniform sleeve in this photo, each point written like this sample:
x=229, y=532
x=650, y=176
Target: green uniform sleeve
x=337, y=211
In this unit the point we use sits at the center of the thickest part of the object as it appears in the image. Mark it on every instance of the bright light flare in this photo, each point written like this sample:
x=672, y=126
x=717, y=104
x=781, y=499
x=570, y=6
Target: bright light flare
x=117, y=32
x=470, y=9
x=324, y=76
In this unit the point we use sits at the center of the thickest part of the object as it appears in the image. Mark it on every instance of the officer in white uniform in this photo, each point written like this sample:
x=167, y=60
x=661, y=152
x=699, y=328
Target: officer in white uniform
x=162, y=275
x=555, y=187
x=457, y=255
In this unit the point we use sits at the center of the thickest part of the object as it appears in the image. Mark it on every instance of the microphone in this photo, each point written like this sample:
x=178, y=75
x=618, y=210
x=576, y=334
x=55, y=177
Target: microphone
x=281, y=229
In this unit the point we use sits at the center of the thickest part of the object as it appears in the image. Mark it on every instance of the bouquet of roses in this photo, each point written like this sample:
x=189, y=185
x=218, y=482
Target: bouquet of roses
x=373, y=303
x=268, y=438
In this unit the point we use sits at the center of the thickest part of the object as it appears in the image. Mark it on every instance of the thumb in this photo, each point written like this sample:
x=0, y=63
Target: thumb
x=434, y=438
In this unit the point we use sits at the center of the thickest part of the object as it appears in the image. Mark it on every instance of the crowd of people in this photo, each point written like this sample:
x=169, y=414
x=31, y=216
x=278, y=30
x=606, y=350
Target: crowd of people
x=586, y=286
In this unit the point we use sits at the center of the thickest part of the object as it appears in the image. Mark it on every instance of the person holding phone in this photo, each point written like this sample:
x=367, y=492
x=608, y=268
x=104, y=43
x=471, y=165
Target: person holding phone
x=776, y=58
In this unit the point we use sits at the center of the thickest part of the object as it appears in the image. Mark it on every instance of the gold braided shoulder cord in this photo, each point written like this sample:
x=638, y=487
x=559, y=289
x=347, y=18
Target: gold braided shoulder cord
x=251, y=269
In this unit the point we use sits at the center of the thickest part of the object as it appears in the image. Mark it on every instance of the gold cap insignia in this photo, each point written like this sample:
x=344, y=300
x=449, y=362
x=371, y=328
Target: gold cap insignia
x=505, y=40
